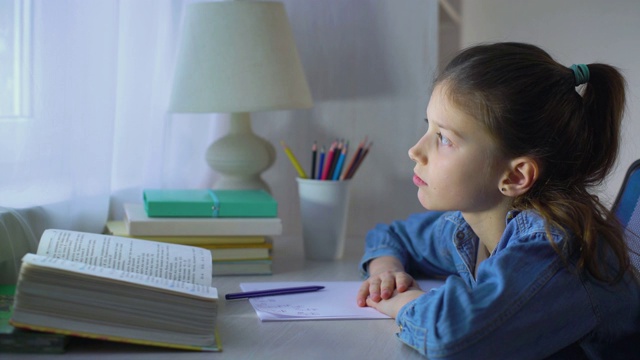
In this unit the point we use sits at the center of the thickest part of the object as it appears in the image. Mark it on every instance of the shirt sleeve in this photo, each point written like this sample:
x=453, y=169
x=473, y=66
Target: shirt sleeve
x=419, y=242
x=524, y=286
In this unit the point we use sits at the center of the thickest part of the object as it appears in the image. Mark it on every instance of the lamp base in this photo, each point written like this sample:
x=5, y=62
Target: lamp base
x=240, y=156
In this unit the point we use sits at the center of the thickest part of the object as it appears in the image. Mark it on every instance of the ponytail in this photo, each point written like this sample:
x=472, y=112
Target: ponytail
x=603, y=109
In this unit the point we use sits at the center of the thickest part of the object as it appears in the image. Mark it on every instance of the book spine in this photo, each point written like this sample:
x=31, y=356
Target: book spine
x=219, y=227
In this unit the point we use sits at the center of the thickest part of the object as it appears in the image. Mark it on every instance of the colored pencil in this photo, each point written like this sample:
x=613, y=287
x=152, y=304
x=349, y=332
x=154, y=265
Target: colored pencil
x=360, y=160
x=328, y=160
x=336, y=156
x=340, y=164
x=321, y=163
x=314, y=155
x=294, y=161
x=354, y=159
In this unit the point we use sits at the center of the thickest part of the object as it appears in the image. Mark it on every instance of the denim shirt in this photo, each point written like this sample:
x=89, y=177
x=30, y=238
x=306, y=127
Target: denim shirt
x=526, y=302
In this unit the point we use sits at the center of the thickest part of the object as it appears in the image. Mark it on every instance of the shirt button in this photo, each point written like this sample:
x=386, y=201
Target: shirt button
x=460, y=235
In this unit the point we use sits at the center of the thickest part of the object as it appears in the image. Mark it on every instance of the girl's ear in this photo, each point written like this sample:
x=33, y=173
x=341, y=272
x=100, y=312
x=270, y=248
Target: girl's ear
x=520, y=177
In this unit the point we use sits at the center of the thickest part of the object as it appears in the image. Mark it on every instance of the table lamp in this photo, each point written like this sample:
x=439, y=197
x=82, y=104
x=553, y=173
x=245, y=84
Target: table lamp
x=238, y=57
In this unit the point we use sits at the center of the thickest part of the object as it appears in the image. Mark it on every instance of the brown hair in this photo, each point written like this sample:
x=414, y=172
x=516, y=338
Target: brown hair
x=530, y=105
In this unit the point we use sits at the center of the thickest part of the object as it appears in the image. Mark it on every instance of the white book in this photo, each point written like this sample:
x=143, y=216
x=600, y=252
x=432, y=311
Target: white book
x=139, y=224
x=118, y=289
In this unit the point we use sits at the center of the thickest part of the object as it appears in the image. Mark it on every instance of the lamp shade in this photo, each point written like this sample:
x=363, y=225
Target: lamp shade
x=237, y=56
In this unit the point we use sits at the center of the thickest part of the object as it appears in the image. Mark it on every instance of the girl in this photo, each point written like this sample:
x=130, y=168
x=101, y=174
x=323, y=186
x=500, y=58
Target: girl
x=535, y=265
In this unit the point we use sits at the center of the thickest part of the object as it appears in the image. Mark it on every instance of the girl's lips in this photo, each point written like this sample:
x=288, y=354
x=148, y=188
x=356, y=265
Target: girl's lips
x=418, y=182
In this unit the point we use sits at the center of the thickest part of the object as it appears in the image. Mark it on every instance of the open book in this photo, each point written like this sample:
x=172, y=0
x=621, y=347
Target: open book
x=118, y=289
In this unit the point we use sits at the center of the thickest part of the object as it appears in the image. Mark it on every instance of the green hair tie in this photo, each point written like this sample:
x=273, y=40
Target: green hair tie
x=581, y=73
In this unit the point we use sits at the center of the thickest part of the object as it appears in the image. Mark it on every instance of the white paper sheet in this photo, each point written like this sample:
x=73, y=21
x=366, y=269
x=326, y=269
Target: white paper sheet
x=336, y=301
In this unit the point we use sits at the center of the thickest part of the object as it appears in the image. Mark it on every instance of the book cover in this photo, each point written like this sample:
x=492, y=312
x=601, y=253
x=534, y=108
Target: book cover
x=119, y=228
x=216, y=345
x=243, y=267
x=139, y=224
x=118, y=289
x=16, y=340
x=209, y=203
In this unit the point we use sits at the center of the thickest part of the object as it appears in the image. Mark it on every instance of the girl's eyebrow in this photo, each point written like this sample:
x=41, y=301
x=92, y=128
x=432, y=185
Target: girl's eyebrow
x=445, y=127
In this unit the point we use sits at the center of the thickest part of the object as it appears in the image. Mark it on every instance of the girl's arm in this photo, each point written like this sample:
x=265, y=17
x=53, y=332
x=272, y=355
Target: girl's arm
x=523, y=279
x=402, y=247
x=419, y=243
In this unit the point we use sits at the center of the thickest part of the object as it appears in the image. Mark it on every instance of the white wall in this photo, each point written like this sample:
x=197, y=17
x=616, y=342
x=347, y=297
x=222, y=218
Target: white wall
x=369, y=65
x=573, y=31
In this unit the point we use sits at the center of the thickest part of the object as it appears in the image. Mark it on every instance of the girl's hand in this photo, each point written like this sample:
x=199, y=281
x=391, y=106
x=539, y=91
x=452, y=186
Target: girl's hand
x=392, y=306
x=387, y=276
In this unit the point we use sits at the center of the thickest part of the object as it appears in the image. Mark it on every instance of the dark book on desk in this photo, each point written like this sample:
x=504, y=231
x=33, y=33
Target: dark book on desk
x=118, y=289
x=209, y=203
x=140, y=224
x=15, y=340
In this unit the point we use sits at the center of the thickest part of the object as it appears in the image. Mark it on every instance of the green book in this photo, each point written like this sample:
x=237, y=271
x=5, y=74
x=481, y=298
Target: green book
x=13, y=340
x=209, y=203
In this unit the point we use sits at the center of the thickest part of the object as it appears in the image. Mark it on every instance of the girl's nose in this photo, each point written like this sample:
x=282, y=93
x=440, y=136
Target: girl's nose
x=417, y=155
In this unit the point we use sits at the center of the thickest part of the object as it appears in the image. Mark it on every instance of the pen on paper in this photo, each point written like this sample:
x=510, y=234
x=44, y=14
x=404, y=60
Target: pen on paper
x=294, y=161
x=272, y=292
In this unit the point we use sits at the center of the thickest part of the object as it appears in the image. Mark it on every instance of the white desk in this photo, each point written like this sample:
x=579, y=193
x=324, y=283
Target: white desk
x=244, y=336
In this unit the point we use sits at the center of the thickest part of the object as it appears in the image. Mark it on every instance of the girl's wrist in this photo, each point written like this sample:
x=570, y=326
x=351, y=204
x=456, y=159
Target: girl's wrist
x=384, y=264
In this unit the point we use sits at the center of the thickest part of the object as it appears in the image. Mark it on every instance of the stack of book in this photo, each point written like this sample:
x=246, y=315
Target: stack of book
x=235, y=225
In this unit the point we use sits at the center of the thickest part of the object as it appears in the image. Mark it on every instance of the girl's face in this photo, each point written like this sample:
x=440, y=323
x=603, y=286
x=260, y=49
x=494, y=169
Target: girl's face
x=457, y=166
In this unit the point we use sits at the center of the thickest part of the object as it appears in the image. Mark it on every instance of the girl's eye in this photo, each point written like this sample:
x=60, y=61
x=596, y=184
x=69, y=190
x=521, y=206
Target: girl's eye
x=443, y=139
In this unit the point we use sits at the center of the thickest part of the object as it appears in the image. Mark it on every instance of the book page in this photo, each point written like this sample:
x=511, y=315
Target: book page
x=190, y=289
x=164, y=260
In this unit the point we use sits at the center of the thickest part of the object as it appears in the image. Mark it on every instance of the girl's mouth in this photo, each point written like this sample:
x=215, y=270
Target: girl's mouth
x=418, y=182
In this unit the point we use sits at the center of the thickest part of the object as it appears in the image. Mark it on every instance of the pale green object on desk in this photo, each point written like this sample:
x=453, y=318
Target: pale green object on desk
x=13, y=340
x=209, y=203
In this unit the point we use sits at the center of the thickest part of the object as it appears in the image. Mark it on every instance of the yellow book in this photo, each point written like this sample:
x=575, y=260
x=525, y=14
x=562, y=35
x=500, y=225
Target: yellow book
x=119, y=228
x=242, y=267
x=226, y=252
x=118, y=289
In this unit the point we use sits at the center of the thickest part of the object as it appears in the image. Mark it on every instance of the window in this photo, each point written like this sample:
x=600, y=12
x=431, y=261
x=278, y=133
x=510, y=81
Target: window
x=15, y=59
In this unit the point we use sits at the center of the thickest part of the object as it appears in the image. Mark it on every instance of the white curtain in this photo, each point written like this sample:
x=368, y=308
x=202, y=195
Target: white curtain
x=98, y=132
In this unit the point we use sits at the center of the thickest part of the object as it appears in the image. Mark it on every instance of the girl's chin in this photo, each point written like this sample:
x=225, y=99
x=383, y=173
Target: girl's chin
x=429, y=204
x=423, y=199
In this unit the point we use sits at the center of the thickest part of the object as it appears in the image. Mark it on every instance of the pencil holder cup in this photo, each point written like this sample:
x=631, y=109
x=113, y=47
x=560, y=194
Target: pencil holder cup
x=324, y=207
